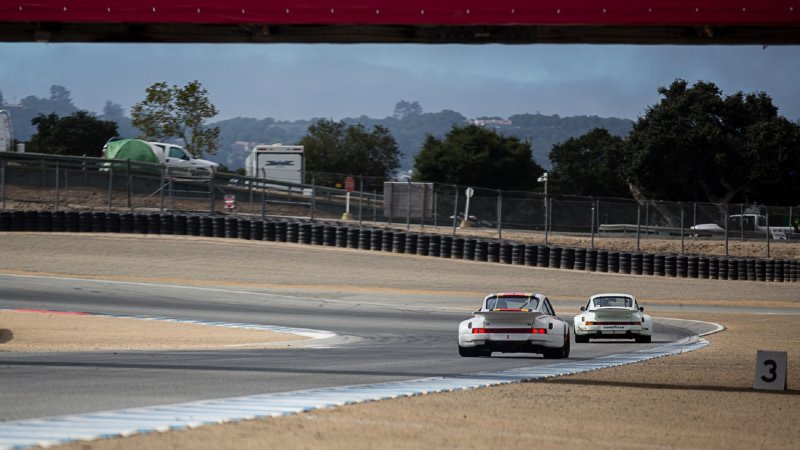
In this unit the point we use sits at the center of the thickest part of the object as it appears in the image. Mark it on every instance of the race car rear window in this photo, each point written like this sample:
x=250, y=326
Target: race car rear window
x=613, y=302
x=529, y=303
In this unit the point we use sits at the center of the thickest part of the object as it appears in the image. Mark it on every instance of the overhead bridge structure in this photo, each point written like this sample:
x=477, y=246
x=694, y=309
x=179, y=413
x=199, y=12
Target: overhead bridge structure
x=765, y=22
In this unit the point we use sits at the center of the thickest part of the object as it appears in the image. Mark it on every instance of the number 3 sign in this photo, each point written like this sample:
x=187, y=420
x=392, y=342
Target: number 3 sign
x=770, y=370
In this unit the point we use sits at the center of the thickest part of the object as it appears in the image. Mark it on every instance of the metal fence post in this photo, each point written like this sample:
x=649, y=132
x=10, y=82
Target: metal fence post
x=499, y=214
x=638, y=225
x=171, y=194
x=741, y=220
x=682, y=247
x=250, y=193
x=789, y=236
x=726, y=229
x=455, y=209
x=375, y=205
x=549, y=215
x=58, y=173
x=211, y=202
x=129, y=182
x=408, y=206
x=110, y=185
x=263, y=201
x=313, y=196
x=592, y=221
x=435, y=209
x=161, y=190
x=546, y=216
x=767, y=232
x=3, y=181
x=360, y=199
x=66, y=185
x=424, y=204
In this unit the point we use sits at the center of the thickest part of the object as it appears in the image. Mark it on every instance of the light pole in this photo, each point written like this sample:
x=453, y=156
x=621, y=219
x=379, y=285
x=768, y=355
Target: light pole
x=543, y=179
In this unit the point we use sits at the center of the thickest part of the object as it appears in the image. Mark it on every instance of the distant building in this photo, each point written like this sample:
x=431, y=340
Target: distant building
x=490, y=122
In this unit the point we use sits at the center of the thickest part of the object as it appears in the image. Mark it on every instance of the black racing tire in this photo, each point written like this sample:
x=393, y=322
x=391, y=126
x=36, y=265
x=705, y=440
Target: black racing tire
x=644, y=339
x=558, y=353
x=469, y=352
x=581, y=339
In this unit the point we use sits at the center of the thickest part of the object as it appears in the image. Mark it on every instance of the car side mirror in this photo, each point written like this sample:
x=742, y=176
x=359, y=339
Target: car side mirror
x=583, y=308
x=641, y=308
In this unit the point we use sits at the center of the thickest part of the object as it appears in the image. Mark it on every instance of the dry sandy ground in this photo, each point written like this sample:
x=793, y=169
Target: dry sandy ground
x=703, y=399
x=41, y=331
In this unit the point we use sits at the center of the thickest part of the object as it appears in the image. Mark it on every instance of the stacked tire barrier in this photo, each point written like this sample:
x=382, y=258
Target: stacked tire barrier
x=395, y=241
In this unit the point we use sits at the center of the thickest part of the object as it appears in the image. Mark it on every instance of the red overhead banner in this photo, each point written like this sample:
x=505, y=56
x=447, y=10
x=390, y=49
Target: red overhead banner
x=409, y=12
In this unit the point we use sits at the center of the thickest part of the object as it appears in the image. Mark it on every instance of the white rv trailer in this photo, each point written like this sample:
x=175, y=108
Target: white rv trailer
x=276, y=162
x=6, y=135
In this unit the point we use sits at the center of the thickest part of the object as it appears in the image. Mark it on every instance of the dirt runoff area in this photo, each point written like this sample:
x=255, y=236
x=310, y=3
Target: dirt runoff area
x=49, y=331
x=702, y=399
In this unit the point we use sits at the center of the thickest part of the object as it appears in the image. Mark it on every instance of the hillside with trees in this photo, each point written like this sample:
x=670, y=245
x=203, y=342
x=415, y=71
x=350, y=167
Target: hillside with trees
x=409, y=124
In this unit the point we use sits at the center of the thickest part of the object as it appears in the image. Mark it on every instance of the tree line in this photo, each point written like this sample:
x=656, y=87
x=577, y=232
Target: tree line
x=695, y=144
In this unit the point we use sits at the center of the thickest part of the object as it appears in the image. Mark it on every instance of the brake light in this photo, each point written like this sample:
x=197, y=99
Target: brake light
x=509, y=330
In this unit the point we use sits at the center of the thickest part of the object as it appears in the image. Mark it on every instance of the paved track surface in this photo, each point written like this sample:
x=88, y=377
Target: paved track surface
x=376, y=344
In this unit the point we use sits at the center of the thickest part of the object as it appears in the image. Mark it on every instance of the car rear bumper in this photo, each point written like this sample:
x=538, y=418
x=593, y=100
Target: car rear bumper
x=612, y=332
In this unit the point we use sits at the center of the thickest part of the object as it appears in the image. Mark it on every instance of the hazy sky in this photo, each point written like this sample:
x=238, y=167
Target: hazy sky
x=336, y=81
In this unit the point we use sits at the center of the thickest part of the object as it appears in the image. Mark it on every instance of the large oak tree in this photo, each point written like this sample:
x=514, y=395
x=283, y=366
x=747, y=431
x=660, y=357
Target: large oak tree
x=335, y=147
x=78, y=134
x=592, y=164
x=480, y=157
x=698, y=145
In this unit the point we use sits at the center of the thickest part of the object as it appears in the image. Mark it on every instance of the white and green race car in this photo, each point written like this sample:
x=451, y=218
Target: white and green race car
x=613, y=316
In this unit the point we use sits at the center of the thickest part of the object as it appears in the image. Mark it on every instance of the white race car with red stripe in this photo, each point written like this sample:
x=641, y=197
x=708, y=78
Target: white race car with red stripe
x=613, y=316
x=514, y=322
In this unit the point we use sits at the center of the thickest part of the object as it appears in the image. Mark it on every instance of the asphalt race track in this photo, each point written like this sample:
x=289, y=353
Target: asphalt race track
x=380, y=338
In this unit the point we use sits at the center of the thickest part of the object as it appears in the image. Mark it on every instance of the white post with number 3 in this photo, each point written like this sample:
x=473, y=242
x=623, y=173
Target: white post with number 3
x=770, y=370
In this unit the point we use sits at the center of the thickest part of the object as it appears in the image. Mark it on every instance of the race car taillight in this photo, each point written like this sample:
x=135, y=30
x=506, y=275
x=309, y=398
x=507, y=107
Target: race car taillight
x=509, y=330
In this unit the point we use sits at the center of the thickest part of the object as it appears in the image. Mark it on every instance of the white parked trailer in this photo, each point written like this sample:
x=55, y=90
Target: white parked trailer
x=276, y=162
x=6, y=135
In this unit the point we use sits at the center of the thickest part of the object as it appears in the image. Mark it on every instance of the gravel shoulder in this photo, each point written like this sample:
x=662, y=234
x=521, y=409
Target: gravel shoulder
x=702, y=399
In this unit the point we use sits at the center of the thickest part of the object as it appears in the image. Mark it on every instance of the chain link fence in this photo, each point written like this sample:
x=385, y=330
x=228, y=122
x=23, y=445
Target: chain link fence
x=62, y=183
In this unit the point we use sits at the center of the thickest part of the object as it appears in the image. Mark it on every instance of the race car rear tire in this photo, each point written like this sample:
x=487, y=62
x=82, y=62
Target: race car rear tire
x=644, y=339
x=469, y=352
x=558, y=353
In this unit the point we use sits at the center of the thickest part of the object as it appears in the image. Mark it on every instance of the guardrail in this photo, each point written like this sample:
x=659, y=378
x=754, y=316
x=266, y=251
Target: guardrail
x=336, y=234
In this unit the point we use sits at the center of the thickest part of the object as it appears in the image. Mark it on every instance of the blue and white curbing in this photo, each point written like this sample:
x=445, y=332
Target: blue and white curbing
x=51, y=431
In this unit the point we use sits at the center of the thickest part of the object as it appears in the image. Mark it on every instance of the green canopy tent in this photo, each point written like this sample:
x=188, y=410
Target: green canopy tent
x=131, y=149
